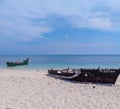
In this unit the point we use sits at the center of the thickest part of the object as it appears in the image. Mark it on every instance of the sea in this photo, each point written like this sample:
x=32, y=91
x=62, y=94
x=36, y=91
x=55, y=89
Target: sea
x=62, y=61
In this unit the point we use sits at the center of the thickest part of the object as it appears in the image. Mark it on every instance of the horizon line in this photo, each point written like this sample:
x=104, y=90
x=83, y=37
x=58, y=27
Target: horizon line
x=50, y=54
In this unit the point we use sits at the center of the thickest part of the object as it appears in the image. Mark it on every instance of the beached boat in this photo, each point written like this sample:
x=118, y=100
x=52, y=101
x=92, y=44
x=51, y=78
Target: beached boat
x=98, y=75
x=24, y=62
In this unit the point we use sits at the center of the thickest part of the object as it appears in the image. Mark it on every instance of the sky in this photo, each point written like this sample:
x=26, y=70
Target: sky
x=59, y=27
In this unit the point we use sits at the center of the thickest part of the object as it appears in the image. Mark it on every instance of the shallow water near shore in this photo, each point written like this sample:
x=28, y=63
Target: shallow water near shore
x=63, y=61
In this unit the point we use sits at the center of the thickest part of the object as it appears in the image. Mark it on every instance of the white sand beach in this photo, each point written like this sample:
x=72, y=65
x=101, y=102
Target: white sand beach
x=33, y=89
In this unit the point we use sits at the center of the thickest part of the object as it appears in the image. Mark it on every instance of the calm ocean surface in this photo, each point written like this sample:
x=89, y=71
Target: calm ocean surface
x=63, y=61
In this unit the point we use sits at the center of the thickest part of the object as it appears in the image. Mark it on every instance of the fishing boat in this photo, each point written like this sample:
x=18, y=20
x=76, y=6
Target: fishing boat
x=96, y=75
x=17, y=63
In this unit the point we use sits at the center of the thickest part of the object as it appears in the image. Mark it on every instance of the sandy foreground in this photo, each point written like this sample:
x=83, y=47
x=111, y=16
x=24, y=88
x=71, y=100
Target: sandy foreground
x=33, y=89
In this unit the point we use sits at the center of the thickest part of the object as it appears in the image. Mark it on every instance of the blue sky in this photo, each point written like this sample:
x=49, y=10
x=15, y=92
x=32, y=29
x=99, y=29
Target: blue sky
x=59, y=27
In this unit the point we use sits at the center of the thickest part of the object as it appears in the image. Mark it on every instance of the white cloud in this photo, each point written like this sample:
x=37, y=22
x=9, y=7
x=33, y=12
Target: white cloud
x=98, y=14
x=15, y=22
x=15, y=16
x=101, y=23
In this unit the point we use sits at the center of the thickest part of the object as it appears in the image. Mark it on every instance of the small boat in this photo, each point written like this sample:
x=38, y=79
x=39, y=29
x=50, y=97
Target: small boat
x=87, y=75
x=12, y=64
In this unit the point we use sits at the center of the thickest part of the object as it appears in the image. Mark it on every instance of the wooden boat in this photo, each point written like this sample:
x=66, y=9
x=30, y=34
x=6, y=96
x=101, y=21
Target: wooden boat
x=24, y=62
x=87, y=75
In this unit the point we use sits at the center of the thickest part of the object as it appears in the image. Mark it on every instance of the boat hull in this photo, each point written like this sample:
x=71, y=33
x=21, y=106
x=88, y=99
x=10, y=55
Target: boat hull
x=88, y=75
x=12, y=64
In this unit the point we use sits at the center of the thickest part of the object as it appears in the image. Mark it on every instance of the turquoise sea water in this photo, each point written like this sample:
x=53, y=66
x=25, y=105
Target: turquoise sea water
x=64, y=61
